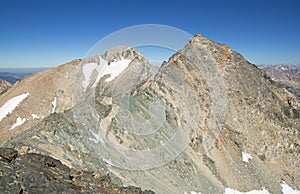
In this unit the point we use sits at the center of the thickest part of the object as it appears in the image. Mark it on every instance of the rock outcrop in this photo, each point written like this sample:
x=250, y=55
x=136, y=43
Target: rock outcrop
x=4, y=86
x=36, y=173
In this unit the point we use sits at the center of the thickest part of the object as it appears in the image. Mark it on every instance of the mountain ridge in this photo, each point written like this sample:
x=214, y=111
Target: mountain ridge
x=236, y=127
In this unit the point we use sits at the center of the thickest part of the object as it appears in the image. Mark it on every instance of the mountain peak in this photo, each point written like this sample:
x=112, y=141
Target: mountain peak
x=122, y=52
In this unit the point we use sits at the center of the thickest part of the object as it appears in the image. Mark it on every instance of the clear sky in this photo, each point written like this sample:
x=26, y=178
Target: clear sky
x=40, y=33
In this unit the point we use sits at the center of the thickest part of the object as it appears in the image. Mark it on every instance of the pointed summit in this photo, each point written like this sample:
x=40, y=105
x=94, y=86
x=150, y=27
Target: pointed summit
x=122, y=52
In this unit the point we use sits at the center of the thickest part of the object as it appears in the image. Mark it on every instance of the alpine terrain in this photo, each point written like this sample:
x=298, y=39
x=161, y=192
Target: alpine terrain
x=287, y=76
x=205, y=121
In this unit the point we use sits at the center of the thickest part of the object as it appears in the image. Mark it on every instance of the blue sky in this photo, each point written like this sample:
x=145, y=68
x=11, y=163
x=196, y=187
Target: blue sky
x=37, y=33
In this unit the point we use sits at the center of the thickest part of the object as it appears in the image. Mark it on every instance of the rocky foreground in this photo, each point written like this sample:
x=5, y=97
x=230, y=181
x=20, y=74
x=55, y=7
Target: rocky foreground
x=36, y=173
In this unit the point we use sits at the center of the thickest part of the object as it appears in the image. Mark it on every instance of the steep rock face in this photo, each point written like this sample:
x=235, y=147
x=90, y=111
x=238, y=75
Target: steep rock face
x=206, y=120
x=260, y=118
x=4, y=86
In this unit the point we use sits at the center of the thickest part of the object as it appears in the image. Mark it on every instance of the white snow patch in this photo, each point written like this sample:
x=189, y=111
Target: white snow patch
x=286, y=189
x=115, y=68
x=11, y=104
x=87, y=70
x=97, y=138
x=192, y=192
x=246, y=156
x=232, y=191
x=34, y=116
x=53, y=105
x=19, y=122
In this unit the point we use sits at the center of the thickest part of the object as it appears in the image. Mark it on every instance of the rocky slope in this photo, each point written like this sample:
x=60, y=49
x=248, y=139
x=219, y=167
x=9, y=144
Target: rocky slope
x=4, y=86
x=35, y=173
x=206, y=121
x=287, y=76
x=44, y=93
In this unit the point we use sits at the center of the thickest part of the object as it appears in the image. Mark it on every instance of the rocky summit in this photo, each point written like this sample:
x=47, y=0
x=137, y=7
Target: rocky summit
x=205, y=121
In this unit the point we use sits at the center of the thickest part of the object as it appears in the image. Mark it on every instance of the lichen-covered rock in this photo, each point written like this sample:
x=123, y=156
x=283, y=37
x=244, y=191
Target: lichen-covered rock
x=36, y=173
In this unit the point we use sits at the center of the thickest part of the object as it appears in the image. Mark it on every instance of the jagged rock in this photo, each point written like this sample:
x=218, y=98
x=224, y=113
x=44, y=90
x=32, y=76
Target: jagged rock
x=36, y=173
x=8, y=154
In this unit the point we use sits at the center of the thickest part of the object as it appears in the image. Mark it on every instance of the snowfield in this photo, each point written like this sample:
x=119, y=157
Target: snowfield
x=286, y=189
x=11, y=104
x=104, y=68
x=115, y=68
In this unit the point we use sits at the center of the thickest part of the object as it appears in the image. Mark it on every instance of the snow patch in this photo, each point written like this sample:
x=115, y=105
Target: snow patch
x=115, y=68
x=19, y=122
x=104, y=68
x=11, y=104
x=192, y=192
x=232, y=191
x=246, y=156
x=286, y=189
x=34, y=116
x=53, y=105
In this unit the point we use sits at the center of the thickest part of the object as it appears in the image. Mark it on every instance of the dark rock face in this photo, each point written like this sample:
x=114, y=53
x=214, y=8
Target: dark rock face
x=36, y=173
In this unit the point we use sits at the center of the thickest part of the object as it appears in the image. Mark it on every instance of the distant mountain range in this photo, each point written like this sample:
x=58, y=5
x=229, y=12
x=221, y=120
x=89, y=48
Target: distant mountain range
x=286, y=75
x=12, y=75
